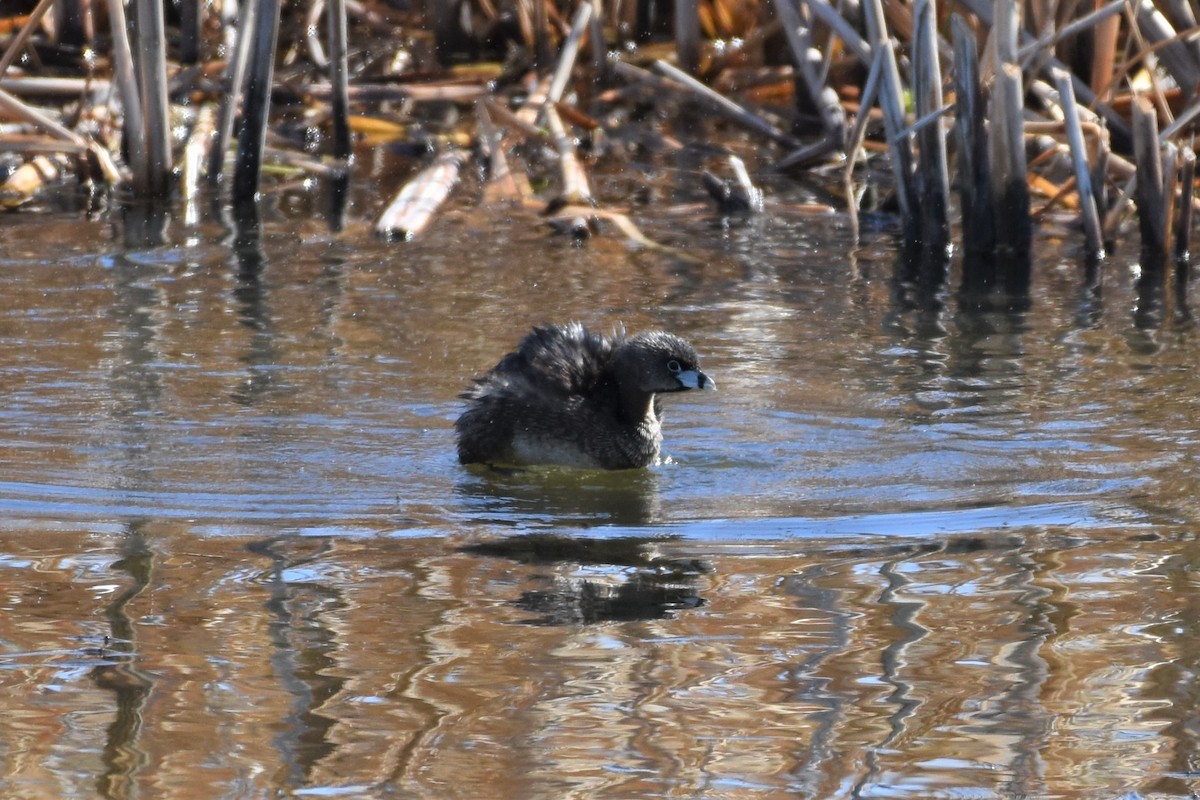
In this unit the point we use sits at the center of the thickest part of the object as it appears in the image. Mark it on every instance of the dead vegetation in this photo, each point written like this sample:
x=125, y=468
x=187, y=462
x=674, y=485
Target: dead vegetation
x=1022, y=110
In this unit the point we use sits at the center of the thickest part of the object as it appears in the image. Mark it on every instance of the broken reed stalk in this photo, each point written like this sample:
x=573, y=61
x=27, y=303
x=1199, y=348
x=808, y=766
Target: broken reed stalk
x=970, y=134
x=17, y=45
x=933, y=175
x=1184, y=15
x=1185, y=118
x=40, y=120
x=807, y=60
x=575, y=186
x=70, y=22
x=1170, y=171
x=1183, y=227
x=891, y=103
x=987, y=12
x=1095, y=19
x=335, y=16
x=443, y=18
x=1099, y=179
x=1182, y=12
x=726, y=106
x=191, y=23
x=135, y=143
x=1010, y=190
x=569, y=52
x=65, y=89
x=1104, y=48
x=854, y=140
x=252, y=133
x=192, y=162
x=416, y=93
x=1090, y=215
x=1151, y=204
x=152, y=86
x=599, y=46
x=687, y=35
x=921, y=190
x=827, y=14
x=541, y=38
x=1173, y=52
x=503, y=182
x=235, y=79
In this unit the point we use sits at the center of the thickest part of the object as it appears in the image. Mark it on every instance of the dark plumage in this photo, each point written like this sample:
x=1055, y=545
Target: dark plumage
x=571, y=397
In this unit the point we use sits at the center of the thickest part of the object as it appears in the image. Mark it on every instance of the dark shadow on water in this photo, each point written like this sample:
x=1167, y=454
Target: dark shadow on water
x=642, y=584
x=145, y=225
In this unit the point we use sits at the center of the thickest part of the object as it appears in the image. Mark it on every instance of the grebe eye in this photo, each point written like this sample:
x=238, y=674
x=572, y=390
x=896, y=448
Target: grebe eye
x=673, y=366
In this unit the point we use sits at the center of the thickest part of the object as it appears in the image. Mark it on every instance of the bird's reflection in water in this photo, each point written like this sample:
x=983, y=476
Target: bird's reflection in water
x=590, y=580
x=552, y=496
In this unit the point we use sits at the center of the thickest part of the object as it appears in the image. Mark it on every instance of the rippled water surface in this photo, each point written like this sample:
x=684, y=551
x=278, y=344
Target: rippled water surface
x=907, y=550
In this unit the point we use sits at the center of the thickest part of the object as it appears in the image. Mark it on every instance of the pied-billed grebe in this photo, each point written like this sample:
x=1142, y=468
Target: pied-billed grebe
x=571, y=397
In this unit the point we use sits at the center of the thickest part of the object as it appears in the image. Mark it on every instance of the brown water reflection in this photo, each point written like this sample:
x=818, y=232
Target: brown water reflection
x=1017, y=664
x=907, y=550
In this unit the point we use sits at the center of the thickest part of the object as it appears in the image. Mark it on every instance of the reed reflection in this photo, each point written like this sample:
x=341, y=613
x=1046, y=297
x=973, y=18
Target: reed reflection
x=918, y=290
x=145, y=225
x=966, y=360
x=1020, y=708
x=131, y=687
x=251, y=300
x=136, y=385
x=895, y=656
x=1161, y=289
x=986, y=360
x=303, y=652
x=1151, y=287
x=995, y=282
x=1090, y=312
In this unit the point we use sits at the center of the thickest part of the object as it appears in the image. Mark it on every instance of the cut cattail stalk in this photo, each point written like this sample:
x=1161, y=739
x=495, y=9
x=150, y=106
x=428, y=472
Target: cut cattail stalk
x=414, y=207
x=1151, y=205
x=1093, y=237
